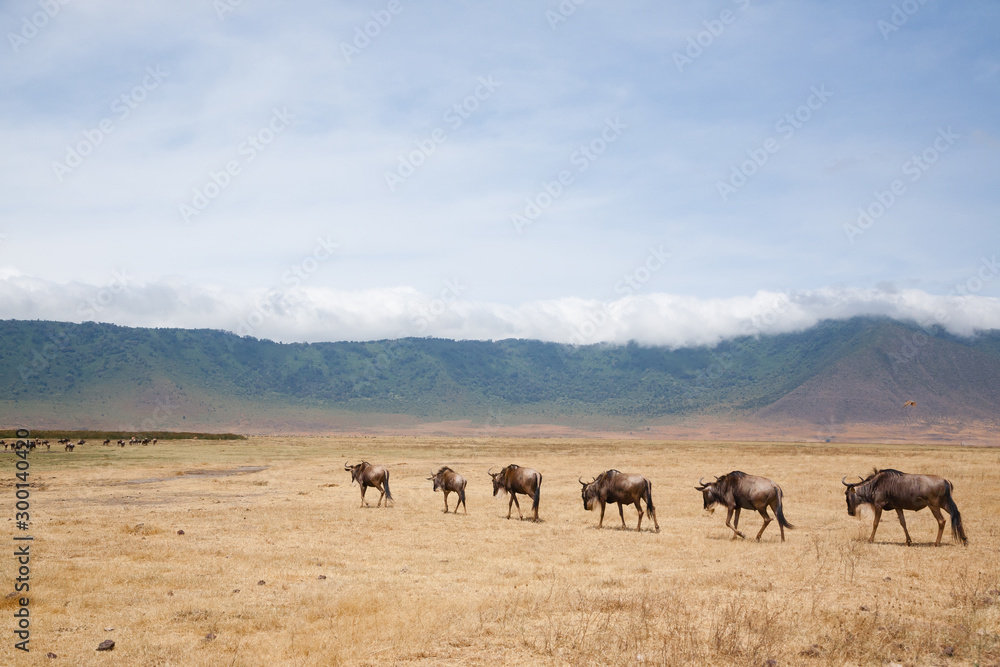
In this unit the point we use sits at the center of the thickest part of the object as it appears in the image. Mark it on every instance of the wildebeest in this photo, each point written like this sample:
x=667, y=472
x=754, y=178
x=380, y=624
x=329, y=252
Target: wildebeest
x=514, y=480
x=740, y=491
x=448, y=480
x=365, y=474
x=617, y=487
x=894, y=490
x=69, y=446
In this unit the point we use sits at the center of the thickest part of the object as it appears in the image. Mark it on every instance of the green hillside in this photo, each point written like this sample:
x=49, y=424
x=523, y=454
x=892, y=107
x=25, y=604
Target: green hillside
x=119, y=374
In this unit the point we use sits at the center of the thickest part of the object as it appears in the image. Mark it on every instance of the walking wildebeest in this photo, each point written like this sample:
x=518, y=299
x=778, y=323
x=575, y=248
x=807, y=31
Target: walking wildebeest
x=622, y=488
x=69, y=446
x=893, y=490
x=365, y=474
x=514, y=480
x=448, y=480
x=740, y=491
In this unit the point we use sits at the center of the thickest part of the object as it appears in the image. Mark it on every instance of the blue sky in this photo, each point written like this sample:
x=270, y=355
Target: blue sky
x=669, y=173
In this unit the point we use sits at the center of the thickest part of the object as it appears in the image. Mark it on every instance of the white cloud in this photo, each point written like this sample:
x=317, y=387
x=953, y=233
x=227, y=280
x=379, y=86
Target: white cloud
x=322, y=314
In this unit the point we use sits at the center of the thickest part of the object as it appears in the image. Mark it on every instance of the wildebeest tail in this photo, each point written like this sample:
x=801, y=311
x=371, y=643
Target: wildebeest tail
x=385, y=482
x=538, y=493
x=649, y=497
x=957, y=531
x=461, y=497
x=780, y=513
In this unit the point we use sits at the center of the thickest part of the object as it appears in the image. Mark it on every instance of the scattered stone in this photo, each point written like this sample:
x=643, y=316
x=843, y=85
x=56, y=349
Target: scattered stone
x=261, y=582
x=811, y=652
x=170, y=594
x=771, y=663
x=404, y=569
x=12, y=594
x=108, y=629
x=106, y=645
x=995, y=592
x=322, y=576
x=863, y=608
x=887, y=579
x=180, y=532
x=50, y=654
x=236, y=590
x=948, y=651
x=210, y=636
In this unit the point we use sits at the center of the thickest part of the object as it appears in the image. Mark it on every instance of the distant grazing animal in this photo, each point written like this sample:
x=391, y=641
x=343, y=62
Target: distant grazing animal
x=69, y=446
x=121, y=443
x=894, y=490
x=621, y=488
x=739, y=491
x=82, y=442
x=107, y=441
x=448, y=480
x=514, y=480
x=365, y=474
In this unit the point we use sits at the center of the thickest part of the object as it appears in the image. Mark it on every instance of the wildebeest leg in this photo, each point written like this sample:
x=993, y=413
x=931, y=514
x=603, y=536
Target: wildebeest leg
x=381, y=490
x=600, y=524
x=638, y=509
x=767, y=520
x=513, y=501
x=621, y=513
x=733, y=527
x=902, y=522
x=446, y=503
x=878, y=517
x=936, y=511
x=363, y=487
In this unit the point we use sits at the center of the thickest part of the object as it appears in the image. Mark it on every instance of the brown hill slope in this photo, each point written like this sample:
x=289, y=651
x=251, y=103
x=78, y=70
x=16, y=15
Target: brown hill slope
x=951, y=383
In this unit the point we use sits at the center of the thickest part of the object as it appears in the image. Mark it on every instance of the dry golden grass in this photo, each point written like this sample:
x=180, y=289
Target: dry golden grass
x=281, y=566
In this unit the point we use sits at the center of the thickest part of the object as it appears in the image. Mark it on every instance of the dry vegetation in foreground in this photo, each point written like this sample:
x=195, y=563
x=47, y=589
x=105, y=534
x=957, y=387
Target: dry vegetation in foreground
x=281, y=566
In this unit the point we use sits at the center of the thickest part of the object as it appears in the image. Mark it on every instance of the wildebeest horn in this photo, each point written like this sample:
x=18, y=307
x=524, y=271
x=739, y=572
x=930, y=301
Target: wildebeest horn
x=346, y=466
x=701, y=481
x=490, y=472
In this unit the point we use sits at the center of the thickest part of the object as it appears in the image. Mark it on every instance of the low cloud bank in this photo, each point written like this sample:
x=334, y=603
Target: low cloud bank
x=320, y=314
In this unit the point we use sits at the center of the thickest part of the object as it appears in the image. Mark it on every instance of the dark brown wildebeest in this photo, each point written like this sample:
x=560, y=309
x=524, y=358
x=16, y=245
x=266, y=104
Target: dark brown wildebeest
x=448, y=480
x=514, y=480
x=365, y=474
x=107, y=441
x=893, y=490
x=69, y=446
x=740, y=491
x=622, y=488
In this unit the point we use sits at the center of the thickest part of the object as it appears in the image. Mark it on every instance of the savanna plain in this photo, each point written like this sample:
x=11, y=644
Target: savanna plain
x=278, y=564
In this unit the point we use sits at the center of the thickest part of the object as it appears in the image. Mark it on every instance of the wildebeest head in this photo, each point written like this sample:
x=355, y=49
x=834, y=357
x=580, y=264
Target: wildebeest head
x=497, y=480
x=356, y=470
x=851, y=492
x=709, y=493
x=439, y=477
x=589, y=493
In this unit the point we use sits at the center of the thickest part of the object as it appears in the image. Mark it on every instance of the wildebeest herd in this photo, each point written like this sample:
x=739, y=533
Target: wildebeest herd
x=886, y=489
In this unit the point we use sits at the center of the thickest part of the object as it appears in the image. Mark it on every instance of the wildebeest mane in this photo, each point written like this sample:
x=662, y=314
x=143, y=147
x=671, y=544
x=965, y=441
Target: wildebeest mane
x=444, y=469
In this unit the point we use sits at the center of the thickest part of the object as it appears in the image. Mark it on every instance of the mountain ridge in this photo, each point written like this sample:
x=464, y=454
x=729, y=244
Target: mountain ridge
x=855, y=371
